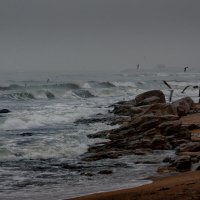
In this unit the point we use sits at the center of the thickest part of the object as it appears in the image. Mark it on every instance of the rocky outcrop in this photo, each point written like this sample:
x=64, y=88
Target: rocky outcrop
x=150, y=124
x=145, y=132
x=150, y=97
x=183, y=106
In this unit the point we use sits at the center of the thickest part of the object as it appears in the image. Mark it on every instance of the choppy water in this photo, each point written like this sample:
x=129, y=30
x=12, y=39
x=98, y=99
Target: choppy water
x=40, y=138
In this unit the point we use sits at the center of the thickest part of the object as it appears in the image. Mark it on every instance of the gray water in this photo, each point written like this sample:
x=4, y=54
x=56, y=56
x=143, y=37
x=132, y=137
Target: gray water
x=40, y=139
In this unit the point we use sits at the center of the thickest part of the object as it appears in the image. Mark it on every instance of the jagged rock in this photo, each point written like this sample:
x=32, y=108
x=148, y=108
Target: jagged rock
x=156, y=127
x=167, y=159
x=101, y=155
x=193, y=126
x=150, y=97
x=87, y=174
x=169, y=127
x=189, y=147
x=160, y=109
x=105, y=172
x=166, y=169
x=26, y=134
x=124, y=108
x=195, y=155
x=182, y=163
x=159, y=142
x=183, y=106
x=101, y=134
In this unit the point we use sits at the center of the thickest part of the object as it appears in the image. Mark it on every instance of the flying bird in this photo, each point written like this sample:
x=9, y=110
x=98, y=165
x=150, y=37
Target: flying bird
x=185, y=88
x=185, y=68
x=165, y=82
x=138, y=66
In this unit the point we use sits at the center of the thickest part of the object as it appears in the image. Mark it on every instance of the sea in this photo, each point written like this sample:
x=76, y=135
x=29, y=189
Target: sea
x=42, y=141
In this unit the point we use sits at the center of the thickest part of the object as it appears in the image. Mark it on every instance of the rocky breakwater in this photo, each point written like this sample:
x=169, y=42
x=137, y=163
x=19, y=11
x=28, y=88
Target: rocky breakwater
x=150, y=124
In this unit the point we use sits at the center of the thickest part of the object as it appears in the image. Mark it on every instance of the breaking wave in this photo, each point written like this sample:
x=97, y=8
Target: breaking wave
x=83, y=93
x=94, y=84
x=32, y=85
x=21, y=96
x=11, y=87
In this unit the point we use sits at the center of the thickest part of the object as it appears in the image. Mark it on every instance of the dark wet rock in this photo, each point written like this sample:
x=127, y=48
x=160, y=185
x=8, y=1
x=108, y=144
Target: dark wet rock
x=142, y=132
x=142, y=151
x=26, y=134
x=198, y=168
x=146, y=162
x=105, y=172
x=169, y=127
x=166, y=169
x=189, y=147
x=159, y=143
x=101, y=134
x=87, y=174
x=100, y=118
x=127, y=103
x=167, y=159
x=182, y=163
x=183, y=106
x=193, y=126
x=152, y=125
x=91, y=120
x=150, y=97
x=4, y=111
x=126, y=110
x=101, y=155
x=194, y=155
x=160, y=109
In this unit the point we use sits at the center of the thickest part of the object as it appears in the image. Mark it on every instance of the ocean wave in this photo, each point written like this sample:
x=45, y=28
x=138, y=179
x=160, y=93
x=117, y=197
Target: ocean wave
x=21, y=96
x=49, y=95
x=39, y=85
x=95, y=84
x=72, y=86
x=125, y=84
x=83, y=93
x=11, y=87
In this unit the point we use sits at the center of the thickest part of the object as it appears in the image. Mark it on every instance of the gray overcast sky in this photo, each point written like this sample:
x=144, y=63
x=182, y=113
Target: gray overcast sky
x=98, y=34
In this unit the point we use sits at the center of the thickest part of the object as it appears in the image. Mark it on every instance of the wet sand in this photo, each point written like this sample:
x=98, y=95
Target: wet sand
x=184, y=186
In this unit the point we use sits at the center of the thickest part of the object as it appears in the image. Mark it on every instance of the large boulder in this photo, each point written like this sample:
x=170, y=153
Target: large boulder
x=182, y=106
x=160, y=109
x=189, y=147
x=150, y=97
x=182, y=163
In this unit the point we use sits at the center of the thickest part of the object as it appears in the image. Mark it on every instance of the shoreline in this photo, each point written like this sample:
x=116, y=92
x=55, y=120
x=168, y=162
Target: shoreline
x=181, y=186
x=176, y=180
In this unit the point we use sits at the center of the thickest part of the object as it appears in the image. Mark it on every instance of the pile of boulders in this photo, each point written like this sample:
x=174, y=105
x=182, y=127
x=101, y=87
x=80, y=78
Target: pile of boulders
x=151, y=124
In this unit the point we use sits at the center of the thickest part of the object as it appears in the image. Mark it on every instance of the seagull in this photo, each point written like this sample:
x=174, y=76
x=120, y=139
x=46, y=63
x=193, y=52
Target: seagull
x=138, y=66
x=185, y=68
x=165, y=82
x=185, y=88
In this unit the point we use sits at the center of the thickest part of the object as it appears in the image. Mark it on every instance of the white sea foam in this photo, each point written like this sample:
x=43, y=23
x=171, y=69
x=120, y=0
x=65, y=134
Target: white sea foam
x=125, y=84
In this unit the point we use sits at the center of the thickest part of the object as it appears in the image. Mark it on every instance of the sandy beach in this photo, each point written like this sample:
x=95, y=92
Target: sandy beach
x=183, y=186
